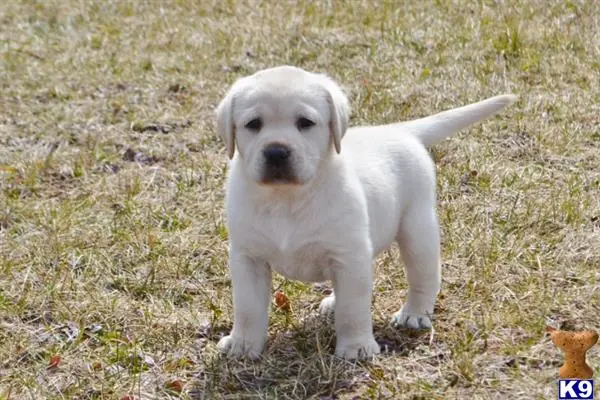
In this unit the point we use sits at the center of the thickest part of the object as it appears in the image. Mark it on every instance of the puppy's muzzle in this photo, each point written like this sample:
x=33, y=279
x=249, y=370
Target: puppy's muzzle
x=277, y=164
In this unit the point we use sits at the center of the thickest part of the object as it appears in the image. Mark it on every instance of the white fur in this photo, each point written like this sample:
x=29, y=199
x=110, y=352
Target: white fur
x=352, y=199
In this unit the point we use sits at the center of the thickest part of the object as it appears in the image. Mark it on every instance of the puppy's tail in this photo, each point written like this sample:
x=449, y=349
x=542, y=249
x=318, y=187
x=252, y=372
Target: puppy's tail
x=435, y=128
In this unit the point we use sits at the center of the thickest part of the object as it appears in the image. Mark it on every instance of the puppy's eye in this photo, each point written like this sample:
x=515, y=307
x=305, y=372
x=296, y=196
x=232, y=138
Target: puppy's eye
x=254, y=125
x=304, y=123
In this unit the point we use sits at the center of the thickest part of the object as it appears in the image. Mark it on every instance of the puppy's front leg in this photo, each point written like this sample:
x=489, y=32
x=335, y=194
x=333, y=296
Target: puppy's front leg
x=353, y=286
x=251, y=281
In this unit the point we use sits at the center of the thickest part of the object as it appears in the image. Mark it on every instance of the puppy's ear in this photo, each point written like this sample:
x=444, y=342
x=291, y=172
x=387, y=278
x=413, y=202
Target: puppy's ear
x=339, y=110
x=225, y=124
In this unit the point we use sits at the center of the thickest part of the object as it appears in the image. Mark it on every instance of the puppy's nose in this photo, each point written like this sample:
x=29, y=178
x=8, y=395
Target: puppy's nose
x=276, y=154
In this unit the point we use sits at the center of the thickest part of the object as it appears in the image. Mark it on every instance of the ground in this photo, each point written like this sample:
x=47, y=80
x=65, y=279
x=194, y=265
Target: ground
x=113, y=246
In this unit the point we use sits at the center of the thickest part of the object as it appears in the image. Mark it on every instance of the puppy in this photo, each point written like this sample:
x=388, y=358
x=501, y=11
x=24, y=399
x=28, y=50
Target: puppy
x=305, y=203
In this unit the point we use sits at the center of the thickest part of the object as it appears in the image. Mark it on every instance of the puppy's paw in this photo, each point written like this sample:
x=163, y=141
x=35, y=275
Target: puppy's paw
x=238, y=347
x=327, y=306
x=360, y=348
x=412, y=319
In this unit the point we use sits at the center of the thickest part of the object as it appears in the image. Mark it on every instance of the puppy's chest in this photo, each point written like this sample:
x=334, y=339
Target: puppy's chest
x=296, y=253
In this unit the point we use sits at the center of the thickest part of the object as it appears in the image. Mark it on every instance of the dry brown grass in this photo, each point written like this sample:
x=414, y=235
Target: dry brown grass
x=112, y=241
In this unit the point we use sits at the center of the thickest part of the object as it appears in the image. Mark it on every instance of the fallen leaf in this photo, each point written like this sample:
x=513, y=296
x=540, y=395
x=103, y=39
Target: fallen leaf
x=281, y=301
x=176, y=386
x=54, y=361
x=128, y=397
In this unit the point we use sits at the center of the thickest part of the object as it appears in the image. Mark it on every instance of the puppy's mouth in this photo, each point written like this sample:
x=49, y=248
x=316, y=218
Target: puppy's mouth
x=279, y=175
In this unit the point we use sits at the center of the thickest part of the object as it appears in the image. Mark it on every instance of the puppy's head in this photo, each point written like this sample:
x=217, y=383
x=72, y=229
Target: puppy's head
x=284, y=121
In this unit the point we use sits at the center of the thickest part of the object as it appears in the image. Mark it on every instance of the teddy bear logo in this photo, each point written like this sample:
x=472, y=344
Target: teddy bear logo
x=574, y=346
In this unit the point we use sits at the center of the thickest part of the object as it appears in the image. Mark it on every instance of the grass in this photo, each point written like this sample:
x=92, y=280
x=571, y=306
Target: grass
x=113, y=277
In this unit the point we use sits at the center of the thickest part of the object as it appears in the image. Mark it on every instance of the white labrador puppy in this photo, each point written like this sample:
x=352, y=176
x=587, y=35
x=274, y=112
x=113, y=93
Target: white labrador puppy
x=311, y=206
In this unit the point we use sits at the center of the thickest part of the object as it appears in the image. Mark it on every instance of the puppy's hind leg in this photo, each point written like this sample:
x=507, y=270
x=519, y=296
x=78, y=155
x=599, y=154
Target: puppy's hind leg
x=419, y=242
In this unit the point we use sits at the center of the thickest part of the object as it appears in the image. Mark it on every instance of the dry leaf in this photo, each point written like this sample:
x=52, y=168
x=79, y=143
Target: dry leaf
x=281, y=301
x=54, y=361
x=176, y=386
